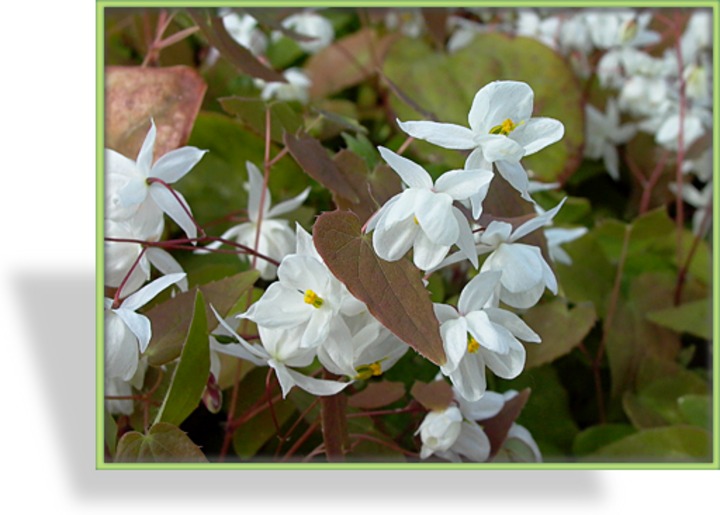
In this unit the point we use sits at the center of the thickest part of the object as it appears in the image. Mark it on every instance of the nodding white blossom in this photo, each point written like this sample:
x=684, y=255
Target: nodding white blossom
x=479, y=334
x=409, y=22
x=297, y=87
x=525, y=274
x=545, y=30
x=244, y=30
x=282, y=351
x=614, y=29
x=120, y=257
x=701, y=166
x=276, y=239
x=118, y=387
x=701, y=200
x=445, y=434
x=306, y=296
x=311, y=25
x=603, y=133
x=131, y=195
x=127, y=333
x=502, y=131
x=423, y=216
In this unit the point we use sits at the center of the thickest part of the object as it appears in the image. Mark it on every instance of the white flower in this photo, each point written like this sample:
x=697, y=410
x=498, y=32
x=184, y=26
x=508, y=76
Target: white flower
x=361, y=348
x=127, y=333
x=545, y=30
x=307, y=296
x=501, y=131
x=620, y=29
x=311, y=25
x=694, y=122
x=603, y=134
x=556, y=236
x=243, y=29
x=447, y=435
x=129, y=189
x=276, y=239
x=281, y=350
x=700, y=200
x=701, y=166
x=478, y=334
x=423, y=216
x=297, y=87
x=120, y=257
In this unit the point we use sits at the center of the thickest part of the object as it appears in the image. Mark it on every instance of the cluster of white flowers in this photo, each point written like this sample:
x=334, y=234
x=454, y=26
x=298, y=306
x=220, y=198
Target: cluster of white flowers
x=315, y=31
x=137, y=196
x=309, y=314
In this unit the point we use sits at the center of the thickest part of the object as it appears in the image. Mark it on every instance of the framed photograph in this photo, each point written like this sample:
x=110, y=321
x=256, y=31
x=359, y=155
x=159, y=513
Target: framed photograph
x=410, y=236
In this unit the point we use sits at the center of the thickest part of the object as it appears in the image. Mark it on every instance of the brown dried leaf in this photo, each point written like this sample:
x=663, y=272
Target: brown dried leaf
x=171, y=96
x=393, y=291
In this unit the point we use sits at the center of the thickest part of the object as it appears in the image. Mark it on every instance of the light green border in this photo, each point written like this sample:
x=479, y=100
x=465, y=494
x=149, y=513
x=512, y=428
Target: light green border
x=99, y=255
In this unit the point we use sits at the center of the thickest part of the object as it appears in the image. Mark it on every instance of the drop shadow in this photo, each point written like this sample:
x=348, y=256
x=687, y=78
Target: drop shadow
x=58, y=310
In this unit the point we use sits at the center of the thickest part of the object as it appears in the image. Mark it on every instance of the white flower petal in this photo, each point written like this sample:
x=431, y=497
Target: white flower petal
x=507, y=366
x=538, y=133
x=461, y=184
x=255, y=181
x=446, y=135
x=393, y=243
x=516, y=176
x=145, y=156
x=537, y=222
x=498, y=101
x=411, y=173
x=484, y=408
x=165, y=263
x=497, y=147
x=469, y=377
x=454, y=337
x=139, y=325
x=149, y=291
x=173, y=166
x=512, y=323
x=427, y=254
x=465, y=240
x=472, y=443
x=290, y=205
x=173, y=207
x=320, y=387
x=489, y=336
x=478, y=291
x=434, y=214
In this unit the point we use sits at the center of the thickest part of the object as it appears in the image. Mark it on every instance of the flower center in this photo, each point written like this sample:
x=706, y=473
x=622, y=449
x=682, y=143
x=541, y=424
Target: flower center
x=368, y=371
x=473, y=346
x=504, y=128
x=417, y=222
x=312, y=298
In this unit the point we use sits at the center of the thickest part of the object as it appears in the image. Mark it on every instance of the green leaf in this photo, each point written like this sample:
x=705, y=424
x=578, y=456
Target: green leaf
x=251, y=111
x=164, y=443
x=364, y=148
x=696, y=410
x=215, y=187
x=110, y=431
x=445, y=86
x=560, y=328
x=596, y=437
x=191, y=374
x=663, y=444
x=693, y=318
x=171, y=319
x=393, y=291
x=547, y=416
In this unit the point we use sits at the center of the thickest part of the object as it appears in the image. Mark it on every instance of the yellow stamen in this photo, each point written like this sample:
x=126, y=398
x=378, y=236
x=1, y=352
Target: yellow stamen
x=504, y=128
x=312, y=298
x=368, y=371
x=473, y=346
x=416, y=220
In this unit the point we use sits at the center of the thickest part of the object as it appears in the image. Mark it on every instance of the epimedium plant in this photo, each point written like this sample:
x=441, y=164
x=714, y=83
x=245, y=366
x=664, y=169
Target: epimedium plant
x=400, y=294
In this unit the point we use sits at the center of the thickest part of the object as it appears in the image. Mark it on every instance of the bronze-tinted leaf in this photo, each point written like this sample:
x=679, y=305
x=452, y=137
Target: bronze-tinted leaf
x=171, y=319
x=377, y=395
x=164, y=443
x=238, y=55
x=497, y=427
x=315, y=161
x=393, y=291
x=347, y=62
x=437, y=395
x=170, y=96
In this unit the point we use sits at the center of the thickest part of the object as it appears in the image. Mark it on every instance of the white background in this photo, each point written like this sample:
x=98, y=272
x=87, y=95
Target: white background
x=47, y=433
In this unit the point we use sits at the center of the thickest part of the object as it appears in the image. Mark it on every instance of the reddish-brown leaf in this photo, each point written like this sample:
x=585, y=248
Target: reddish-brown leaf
x=170, y=96
x=393, y=291
x=497, y=428
x=437, y=395
x=377, y=395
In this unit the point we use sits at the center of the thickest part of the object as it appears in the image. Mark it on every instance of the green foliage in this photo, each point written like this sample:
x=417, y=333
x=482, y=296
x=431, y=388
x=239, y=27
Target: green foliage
x=164, y=443
x=191, y=374
x=666, y=444
x=425, y=76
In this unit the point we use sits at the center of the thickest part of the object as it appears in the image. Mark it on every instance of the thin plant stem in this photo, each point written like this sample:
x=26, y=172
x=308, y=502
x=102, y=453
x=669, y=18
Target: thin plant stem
x=116, y=299
x=682, y=275
x=303, y=438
